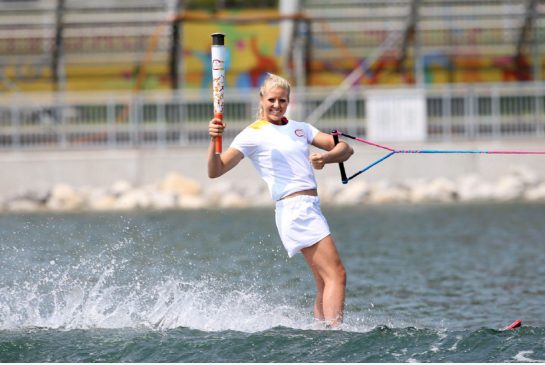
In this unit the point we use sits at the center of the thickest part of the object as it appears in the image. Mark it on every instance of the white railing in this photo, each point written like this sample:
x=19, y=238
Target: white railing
x=162, y=119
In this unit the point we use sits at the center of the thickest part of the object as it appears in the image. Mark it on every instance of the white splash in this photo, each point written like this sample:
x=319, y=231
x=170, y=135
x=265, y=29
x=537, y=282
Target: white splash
x=522, y=357
x=116, y=288
x=207, y=304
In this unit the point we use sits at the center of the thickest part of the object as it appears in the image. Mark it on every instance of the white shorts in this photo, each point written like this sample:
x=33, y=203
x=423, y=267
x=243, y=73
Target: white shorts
x=300, y=222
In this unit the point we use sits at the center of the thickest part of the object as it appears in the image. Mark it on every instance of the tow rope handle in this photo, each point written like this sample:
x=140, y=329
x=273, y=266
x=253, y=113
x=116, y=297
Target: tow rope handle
x=335, y=134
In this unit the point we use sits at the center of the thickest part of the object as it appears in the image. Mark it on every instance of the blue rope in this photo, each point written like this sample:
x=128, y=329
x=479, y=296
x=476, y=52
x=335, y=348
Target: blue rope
x=368, y=167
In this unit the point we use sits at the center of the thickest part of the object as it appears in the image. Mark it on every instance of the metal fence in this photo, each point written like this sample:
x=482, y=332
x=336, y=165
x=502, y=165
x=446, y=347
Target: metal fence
x=167, y=119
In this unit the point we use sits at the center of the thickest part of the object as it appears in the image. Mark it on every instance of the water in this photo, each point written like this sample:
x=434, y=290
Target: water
x=425, y=283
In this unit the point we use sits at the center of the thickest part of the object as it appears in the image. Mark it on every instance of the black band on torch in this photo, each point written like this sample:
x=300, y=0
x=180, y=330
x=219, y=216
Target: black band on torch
x=218, y=39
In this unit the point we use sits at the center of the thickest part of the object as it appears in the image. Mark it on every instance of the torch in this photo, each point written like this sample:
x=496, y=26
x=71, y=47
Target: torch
x=218, y=80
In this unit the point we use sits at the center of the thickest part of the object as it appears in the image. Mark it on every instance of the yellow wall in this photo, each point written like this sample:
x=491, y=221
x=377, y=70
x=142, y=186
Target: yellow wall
x=252, y=51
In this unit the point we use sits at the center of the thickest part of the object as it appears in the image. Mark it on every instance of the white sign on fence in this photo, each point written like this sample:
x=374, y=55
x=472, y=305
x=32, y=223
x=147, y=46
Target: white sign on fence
x=396, y=115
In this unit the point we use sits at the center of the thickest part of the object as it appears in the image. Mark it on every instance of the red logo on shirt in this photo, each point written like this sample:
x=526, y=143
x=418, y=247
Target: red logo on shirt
x=299, y=132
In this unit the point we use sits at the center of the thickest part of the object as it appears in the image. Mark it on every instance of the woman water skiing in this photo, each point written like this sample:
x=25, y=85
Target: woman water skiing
x=279, y=150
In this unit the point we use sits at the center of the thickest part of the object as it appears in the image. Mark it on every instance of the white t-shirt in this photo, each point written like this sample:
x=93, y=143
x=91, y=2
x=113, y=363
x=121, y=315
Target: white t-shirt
x=280, y=154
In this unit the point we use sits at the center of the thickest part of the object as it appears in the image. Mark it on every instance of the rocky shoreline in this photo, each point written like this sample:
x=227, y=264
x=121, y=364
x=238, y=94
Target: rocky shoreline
x=175, y=191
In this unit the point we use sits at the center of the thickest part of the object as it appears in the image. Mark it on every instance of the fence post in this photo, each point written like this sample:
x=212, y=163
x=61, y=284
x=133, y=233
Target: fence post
x=539, y=91
x=161, y=124
x=495, y=111
x=468, y=112
x=447, y=112
x=110, y=122
x=351, y=109
x=15, y=125
x=59, y=118
x=180, y=115
x=134, y=119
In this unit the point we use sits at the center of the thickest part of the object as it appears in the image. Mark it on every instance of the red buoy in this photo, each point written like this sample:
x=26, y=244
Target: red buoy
x=513, y=325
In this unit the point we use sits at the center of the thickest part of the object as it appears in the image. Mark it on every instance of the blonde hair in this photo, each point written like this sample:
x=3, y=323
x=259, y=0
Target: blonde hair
x=270, y=82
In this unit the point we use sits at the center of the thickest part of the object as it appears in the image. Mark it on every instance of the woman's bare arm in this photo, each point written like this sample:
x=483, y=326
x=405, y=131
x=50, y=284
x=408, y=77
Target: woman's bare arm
x=334, y=153
x=219, y=164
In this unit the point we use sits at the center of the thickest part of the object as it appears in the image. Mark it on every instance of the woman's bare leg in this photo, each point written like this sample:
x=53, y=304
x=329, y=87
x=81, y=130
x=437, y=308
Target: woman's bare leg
x=319, y=301
x=330, y=276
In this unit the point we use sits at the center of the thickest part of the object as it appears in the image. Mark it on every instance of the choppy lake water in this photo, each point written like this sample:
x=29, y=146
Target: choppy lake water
x=425, y=283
